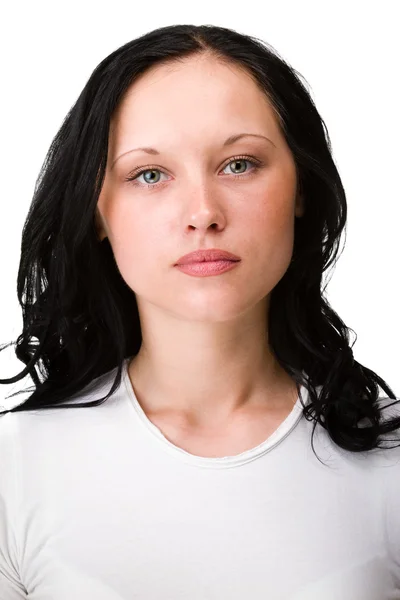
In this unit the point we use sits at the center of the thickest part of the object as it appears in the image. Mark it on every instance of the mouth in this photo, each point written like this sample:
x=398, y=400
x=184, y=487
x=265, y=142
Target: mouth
x=210, y=255
x=208, y=267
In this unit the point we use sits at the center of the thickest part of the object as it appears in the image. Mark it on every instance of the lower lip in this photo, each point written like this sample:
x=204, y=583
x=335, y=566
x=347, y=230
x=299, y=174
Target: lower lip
x=204, y=269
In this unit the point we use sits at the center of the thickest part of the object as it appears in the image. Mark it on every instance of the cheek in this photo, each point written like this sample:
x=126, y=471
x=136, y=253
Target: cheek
x=269, y=232
x=270, y=205
x=272, y=218
x=137, y=242
x=140, y=255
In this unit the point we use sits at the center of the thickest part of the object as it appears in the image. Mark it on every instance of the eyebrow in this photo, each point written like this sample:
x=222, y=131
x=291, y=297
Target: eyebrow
x=230, y=140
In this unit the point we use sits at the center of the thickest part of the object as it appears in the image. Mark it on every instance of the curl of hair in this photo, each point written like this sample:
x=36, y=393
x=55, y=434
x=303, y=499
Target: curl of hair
x=80, y=319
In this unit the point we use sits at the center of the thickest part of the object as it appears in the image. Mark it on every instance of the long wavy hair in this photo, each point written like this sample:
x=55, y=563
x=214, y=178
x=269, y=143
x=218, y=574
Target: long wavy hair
x=80, y=318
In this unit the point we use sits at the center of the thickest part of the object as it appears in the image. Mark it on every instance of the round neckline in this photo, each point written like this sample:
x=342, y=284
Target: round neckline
x=283, y=430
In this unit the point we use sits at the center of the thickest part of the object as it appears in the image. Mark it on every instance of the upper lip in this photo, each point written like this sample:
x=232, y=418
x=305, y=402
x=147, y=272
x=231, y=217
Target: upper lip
x=206, y=255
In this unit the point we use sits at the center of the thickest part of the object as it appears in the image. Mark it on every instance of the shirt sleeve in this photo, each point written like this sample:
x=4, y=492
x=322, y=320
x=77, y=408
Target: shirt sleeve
x=11, y=587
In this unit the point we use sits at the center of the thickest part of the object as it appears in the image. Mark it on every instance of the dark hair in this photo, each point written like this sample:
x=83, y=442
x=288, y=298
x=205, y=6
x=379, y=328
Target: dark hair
x=80, y=319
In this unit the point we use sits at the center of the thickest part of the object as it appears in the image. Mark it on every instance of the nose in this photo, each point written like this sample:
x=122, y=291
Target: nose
x=205, y=211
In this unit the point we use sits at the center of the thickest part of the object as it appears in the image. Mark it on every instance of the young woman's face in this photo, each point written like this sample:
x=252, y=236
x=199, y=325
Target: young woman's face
x=196, y=192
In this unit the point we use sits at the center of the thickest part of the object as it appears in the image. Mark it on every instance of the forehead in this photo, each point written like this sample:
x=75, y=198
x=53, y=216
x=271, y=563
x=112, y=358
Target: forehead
x=197, y=94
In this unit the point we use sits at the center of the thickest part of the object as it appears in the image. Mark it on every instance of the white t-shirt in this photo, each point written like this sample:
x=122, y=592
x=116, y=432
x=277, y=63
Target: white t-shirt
x=96, y=504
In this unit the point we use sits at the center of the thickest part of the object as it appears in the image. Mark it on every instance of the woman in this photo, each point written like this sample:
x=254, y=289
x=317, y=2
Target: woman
x=192, y=475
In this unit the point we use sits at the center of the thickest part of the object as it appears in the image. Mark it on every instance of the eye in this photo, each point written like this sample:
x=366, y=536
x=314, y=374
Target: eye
x=152, y=170
x=237, y=161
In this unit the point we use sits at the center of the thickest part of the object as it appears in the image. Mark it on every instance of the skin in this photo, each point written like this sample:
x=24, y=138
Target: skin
x=204, y=363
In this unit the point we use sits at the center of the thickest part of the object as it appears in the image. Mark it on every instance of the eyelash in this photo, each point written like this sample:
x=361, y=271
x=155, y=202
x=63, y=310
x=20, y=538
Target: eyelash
x=256, y=163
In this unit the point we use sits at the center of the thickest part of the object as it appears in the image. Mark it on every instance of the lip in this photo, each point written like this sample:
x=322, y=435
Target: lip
x=207, y=268
x=211, y=255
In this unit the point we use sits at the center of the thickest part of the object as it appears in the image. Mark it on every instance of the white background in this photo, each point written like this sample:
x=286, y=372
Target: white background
x=349, y=54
